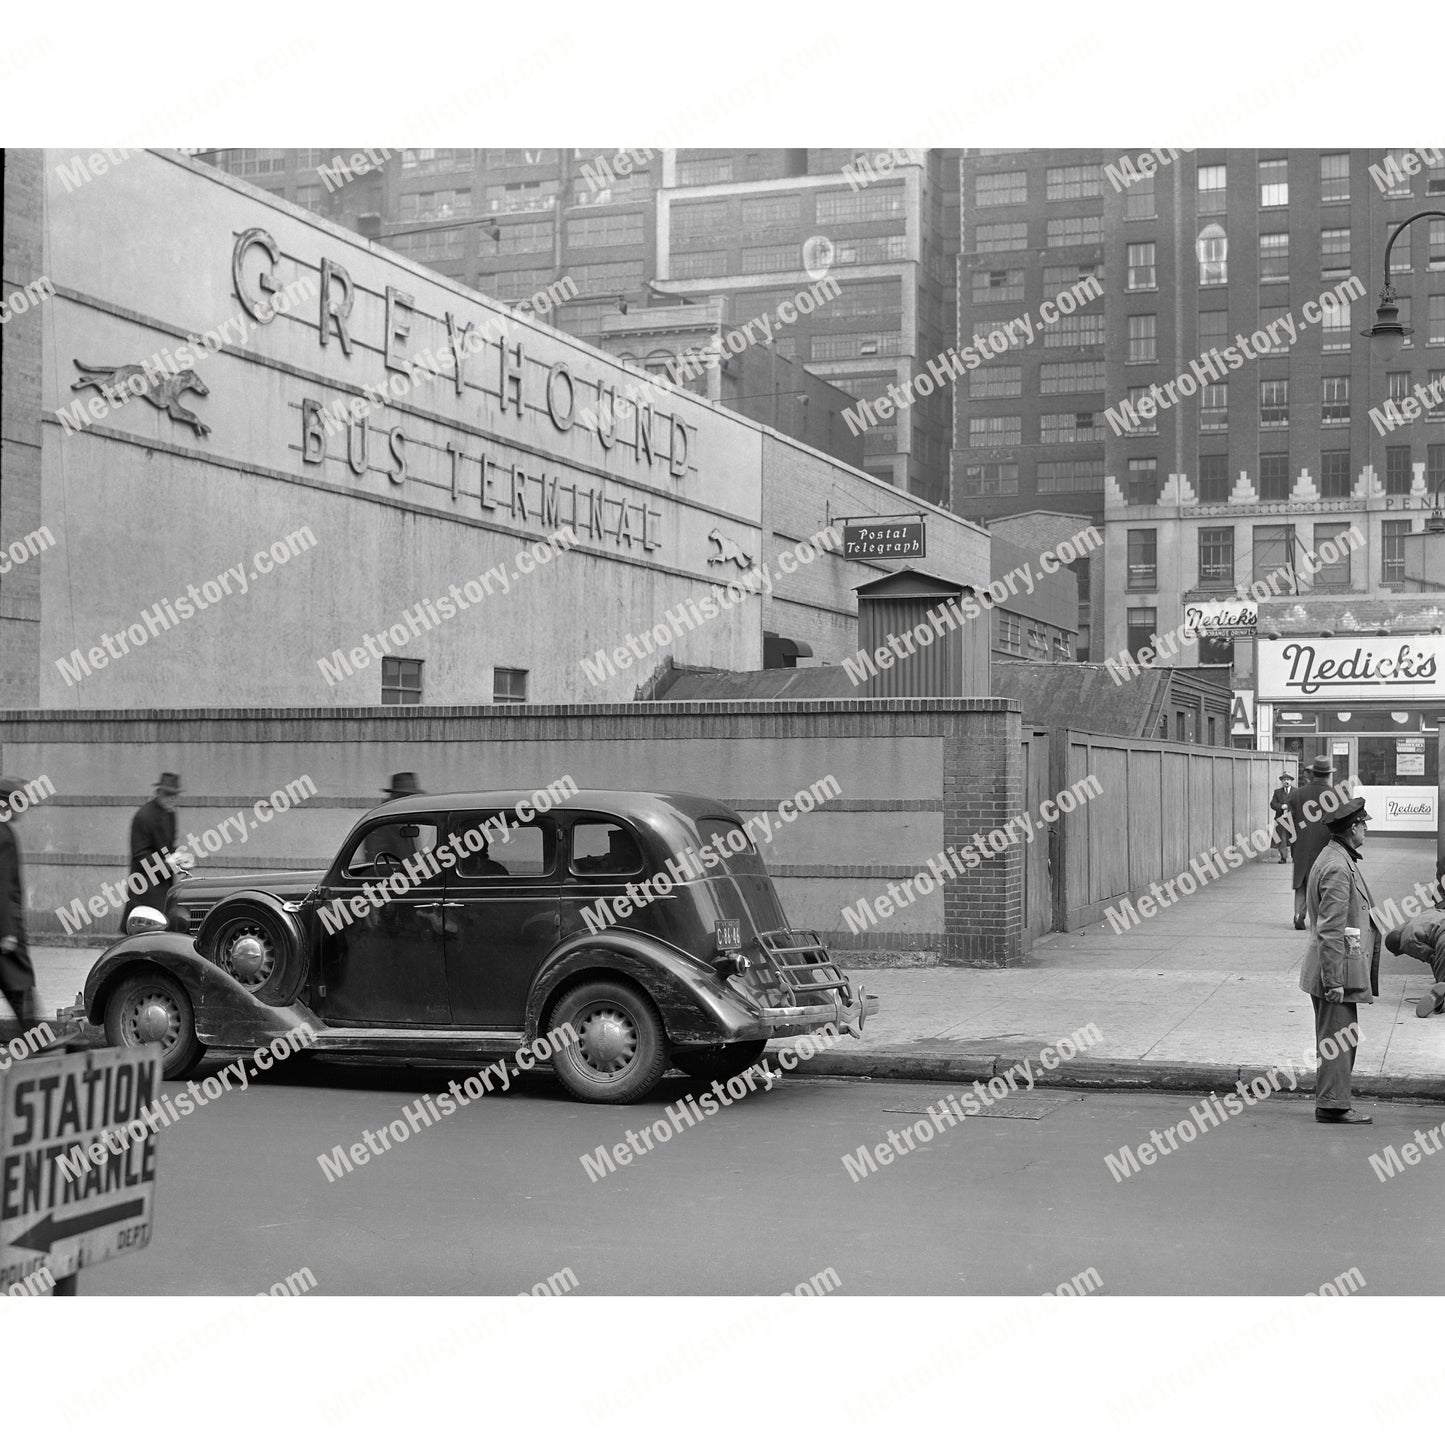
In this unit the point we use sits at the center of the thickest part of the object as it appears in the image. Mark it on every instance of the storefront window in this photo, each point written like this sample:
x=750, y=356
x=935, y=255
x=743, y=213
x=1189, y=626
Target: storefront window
x=1388, y=761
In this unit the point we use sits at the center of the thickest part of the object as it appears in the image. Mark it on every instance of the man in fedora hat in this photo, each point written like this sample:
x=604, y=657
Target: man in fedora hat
x=1341, y=966
x=152, y=841
x=1423, y=937
x=1308, y=837
x=17, y=974
x=389, y=839
x=1279, y=806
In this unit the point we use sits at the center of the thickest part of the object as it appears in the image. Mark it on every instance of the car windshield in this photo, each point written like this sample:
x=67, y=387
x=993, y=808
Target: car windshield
x=385, y=846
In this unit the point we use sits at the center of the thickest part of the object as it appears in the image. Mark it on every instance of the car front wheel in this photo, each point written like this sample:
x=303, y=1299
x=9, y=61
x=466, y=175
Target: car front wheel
x=152, y=1008
x=723, y=1062
x=620, y=1051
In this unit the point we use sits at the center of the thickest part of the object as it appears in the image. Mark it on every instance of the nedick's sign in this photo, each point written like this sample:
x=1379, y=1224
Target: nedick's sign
x=1350, y=669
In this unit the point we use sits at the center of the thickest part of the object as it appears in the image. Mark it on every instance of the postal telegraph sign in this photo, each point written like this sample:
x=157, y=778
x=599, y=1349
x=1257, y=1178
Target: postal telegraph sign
x=66, y=1200
x=884, y=537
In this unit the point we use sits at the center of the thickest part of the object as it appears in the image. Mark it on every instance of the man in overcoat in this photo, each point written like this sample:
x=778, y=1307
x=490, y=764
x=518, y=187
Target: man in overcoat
x=17, y=975
x=1279, y=807
x=1340, y=969
x=153, y=836
x=1309, y=838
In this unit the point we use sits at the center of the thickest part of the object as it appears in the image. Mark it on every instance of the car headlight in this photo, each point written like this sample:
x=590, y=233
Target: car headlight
x=146, y=920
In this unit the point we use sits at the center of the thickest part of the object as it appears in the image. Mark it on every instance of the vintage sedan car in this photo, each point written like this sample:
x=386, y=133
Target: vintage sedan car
x=447, y=927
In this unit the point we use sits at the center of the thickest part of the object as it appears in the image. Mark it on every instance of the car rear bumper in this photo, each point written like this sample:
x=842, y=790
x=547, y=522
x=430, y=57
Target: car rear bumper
x=846, y=1012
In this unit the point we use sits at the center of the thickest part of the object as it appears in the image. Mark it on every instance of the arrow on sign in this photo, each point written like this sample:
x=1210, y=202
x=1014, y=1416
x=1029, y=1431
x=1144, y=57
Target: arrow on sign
x=42, y=1235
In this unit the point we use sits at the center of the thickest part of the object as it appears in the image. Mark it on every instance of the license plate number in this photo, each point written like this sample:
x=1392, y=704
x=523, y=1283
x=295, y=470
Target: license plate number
x=729, y=935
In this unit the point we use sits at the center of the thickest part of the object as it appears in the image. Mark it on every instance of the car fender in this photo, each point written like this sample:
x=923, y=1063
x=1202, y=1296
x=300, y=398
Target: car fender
x=696, y=1006
x=289, y=937
x=226, y=1014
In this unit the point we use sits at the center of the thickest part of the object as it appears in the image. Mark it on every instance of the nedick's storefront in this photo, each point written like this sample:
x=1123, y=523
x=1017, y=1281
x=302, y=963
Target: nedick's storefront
x=1372, y=704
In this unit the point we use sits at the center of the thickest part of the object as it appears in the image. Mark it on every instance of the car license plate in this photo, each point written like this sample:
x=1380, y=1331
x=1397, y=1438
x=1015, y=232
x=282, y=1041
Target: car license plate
x=729, y=935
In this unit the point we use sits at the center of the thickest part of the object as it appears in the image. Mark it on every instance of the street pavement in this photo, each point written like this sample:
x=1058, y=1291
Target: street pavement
x=756, y=1199
x=1195, y=997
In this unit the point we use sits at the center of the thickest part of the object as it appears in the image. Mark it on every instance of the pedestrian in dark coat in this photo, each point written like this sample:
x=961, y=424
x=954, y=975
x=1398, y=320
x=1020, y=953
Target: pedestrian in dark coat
x=1341, y=966
x=1423, y=937
x=1279, y=807
x=1309, y=837
x=17, y=974
x=153, y=838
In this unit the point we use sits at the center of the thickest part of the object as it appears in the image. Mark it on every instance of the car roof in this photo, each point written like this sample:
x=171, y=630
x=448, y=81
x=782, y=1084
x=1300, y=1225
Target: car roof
x=656, y=809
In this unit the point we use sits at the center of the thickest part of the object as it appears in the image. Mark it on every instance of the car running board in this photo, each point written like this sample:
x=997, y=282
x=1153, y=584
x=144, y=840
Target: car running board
x=417, y=1041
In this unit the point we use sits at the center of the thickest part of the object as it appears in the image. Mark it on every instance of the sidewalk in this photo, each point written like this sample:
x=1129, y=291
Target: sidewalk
x=1193, y=999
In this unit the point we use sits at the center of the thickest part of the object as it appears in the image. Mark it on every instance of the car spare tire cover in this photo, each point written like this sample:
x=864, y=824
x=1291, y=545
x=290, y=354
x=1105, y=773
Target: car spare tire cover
x=281, y=932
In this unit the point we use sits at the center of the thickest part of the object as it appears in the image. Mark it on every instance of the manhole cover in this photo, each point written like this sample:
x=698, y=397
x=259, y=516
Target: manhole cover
x=1035, y=1108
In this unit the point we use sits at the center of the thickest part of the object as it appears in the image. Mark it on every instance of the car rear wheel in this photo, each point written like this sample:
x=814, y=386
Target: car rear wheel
x=620, y=1051
x=151, y=1007
x=723, y=1062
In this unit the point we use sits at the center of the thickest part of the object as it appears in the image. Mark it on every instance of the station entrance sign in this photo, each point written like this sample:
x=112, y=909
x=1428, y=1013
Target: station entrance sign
x=76, y=1108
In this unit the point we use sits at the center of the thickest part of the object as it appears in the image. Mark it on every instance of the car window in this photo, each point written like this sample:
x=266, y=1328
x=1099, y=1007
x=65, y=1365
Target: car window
x=731, y=844
x=386, y=846
x=498, y=846
x=604, y=849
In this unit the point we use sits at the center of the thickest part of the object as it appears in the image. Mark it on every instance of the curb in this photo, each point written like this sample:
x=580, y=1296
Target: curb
x=1160, y=1076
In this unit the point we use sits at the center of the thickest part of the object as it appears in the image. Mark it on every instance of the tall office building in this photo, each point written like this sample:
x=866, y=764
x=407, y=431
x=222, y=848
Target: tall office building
x=1245, y=453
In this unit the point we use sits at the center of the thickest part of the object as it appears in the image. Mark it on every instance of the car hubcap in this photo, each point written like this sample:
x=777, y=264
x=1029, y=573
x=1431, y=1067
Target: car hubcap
x=249, y=956
x=608, y=1040
x=154, y=1018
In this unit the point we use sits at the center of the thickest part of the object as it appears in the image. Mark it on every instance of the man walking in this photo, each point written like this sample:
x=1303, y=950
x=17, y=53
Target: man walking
x=153, y=837
x=1308, y=837
x=1423, y=937
x=17, y=975
x=1341, y=965
x=1279, y=806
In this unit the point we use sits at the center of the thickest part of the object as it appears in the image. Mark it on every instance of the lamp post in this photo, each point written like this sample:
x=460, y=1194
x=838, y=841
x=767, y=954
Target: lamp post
x=1388, y=334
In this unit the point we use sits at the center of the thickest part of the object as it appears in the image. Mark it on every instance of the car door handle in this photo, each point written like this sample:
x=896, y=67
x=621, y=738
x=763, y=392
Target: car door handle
x=421, y=907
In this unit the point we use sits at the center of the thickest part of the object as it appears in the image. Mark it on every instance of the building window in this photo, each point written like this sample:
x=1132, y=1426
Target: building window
x=877, y=203
x=1400, y=262
x=1437, y=386
x=846, y=345
x=994, y=431
x=1087, y=330
x=1143, y=341
x=1335, y=399
x=1142, y=623
x=772, y=211
x=1141, y=267
x=994, y=479
x=1335, y=326
x=1143, y=559
x=1392, y=551
x=1274, y=183
x=1139, y=200
x=1397, y=385
x=1335, y=574
x=1011, y=236
x=1435, y=329
x=1213, y=331
x=1268, y=316
x=1072, y=183
x=1079, y=475
x=1397, y=471
x=1056, y=427
x=705, y=173
x=401, y=680
x=1211, y=190
x=1274, y=256
x=519, y=237
x=623, y=230
x=1335, y=251
x=1061, y=278
x=1274, y=403
x=1273, y=549
x=690, y=265
x=1009, y=634
x=1335, y=177
x=772, y=258
x=1437, y=246
x=1003, y=188
x=1214, y=479
x=998, y=286
x=1335, y=478
x=1076, y=231
x=1404, y=303
x=1143, y=480
x=1400, y=183
x=1212, y=248
x=1216, y=556
x=1435, y=178
x=1435, y=466
x=312, y=197
x=698, y=221
x=1062, y=376
x=995, y=381
x=509, y=684
x=1274, y=477
x=1147, y=426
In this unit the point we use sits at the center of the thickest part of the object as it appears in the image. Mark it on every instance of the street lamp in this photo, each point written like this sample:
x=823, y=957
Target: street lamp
x=1387, y=335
